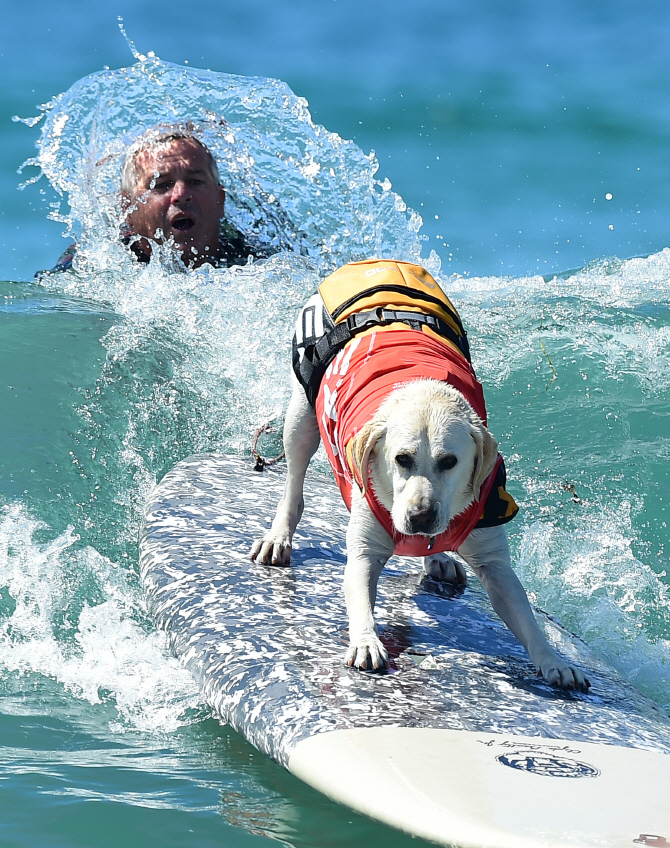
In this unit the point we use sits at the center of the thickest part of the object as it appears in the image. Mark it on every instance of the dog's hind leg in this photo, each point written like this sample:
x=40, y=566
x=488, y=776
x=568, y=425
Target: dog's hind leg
x=301, y=439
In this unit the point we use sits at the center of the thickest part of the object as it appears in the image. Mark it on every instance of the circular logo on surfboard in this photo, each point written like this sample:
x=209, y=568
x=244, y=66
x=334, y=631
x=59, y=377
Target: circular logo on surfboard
x=547, y=764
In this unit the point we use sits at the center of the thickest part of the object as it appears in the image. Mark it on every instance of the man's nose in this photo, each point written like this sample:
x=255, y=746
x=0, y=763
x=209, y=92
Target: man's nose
x=180, y=191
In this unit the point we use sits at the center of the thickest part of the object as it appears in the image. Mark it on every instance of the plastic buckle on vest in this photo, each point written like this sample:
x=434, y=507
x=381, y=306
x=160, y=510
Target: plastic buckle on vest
x=352, y=322
x=358, y=321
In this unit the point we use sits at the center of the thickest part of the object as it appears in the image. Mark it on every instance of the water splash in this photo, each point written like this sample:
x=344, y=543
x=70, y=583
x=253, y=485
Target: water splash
x=290, y=183
x=590, y=577
x=69, y=614
x=131, y=44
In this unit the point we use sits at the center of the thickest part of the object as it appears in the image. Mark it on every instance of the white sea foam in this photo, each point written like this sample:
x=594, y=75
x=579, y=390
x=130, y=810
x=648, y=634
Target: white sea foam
x=589, y=578
x=609, y=282
x=71, y=615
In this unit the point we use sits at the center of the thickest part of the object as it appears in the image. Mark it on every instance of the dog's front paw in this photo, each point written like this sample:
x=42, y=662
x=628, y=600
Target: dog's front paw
x=560, y=674
x=271, y=550
x=445, y=569
x=367, y=652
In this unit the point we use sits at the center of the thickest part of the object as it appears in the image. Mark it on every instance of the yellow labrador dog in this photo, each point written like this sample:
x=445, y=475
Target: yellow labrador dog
x=383, y=378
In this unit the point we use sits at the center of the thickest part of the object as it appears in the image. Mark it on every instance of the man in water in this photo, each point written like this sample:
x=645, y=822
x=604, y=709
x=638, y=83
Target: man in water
x=171, y=192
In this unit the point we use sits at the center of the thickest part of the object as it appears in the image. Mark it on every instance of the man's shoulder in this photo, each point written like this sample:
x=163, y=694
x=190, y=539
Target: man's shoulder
x=235, y=248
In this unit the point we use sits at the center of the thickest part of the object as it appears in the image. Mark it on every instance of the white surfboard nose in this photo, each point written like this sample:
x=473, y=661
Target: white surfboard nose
x=482, y=790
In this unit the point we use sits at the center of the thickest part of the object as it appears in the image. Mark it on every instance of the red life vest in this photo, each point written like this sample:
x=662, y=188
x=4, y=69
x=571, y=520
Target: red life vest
x=355, y=384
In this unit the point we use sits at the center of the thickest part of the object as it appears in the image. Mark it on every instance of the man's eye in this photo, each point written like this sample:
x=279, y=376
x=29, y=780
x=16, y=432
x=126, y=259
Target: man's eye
x=404, y=460
x=446, y=463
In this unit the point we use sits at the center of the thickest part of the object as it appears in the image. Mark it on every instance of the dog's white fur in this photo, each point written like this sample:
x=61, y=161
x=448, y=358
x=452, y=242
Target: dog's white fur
x=426, y=454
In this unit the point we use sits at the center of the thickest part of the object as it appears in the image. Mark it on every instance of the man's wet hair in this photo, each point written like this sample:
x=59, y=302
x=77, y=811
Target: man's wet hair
x=160, y=137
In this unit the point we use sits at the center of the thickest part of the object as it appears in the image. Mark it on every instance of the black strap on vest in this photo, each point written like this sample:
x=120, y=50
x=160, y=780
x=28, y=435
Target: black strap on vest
x=317, y=357
x=404, y=290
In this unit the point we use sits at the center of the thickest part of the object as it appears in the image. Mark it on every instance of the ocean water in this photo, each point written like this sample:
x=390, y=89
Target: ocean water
x=520, y=154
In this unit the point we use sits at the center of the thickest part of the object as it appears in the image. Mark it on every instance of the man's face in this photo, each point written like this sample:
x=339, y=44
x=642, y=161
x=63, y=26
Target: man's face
x=177, y=194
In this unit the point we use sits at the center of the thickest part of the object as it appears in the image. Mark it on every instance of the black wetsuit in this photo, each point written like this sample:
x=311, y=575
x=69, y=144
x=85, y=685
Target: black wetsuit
x=234, y=249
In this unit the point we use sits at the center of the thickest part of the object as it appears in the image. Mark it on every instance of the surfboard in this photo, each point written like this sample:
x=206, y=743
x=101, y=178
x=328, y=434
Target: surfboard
x=459, y=743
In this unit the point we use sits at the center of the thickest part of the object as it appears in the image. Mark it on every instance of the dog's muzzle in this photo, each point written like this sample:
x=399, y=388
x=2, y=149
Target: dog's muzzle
x=422, y=519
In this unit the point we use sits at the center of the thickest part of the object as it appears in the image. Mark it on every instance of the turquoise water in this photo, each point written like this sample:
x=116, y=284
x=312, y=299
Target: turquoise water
x=113, y=372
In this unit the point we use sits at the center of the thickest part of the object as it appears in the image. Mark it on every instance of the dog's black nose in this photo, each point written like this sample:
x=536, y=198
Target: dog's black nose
x=422, y=518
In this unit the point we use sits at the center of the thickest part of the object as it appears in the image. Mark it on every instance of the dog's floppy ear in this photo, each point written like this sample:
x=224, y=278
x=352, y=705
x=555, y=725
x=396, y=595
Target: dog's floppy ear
x=485, y=458
x=361, y=448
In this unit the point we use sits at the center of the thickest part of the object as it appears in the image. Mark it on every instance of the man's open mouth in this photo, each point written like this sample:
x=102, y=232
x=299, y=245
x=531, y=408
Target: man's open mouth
x=182, y=223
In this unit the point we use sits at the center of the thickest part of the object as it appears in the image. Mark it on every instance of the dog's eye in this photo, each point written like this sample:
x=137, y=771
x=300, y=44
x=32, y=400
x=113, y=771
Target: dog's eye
x=404, y=460
x=445, y=463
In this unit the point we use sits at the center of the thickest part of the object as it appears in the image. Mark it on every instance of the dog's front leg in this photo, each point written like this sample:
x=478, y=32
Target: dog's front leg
x=368, y=549
x=301, y=439
x=446, y=569
x=487, y=552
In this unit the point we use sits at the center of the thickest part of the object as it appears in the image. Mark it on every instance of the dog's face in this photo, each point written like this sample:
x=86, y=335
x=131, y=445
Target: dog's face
x=426, y=454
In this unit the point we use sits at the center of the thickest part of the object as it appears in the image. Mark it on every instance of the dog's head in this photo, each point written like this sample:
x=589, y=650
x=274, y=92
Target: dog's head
x=426, y=454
